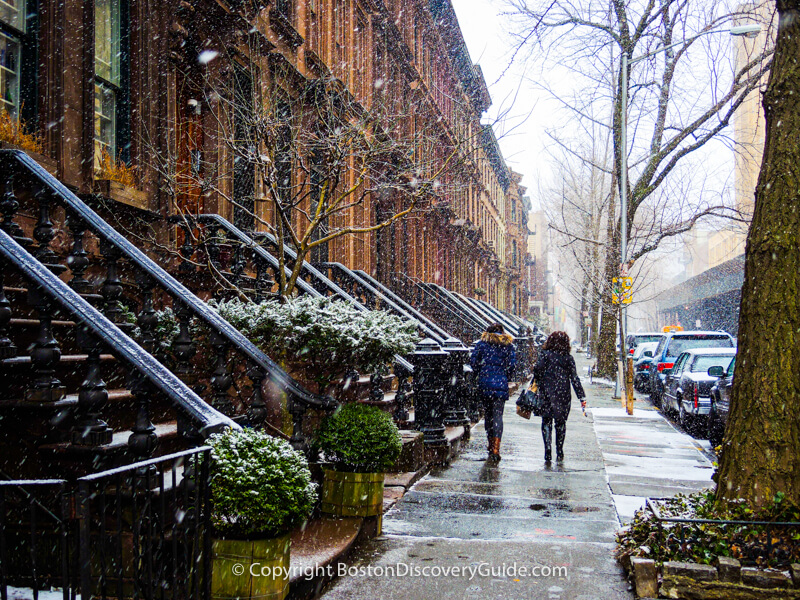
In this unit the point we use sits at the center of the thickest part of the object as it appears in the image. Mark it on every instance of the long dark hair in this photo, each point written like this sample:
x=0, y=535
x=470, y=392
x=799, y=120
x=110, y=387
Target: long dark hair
x=558, y=341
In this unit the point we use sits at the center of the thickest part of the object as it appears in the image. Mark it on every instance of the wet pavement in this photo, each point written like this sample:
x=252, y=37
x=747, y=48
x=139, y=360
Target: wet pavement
x=488, y=520
x=492, y=520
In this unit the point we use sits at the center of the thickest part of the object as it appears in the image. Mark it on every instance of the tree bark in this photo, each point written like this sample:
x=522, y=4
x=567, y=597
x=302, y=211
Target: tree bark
x=606, y=351
x=761, y=448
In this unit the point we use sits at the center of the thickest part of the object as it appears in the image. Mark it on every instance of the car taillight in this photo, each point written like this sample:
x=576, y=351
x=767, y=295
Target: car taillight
x=631, y=351
x=662, y=366
x=696, y=387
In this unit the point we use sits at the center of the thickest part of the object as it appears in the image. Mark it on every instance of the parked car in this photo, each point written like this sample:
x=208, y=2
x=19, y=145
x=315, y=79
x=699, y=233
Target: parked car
x=632, y=340
x=672, y=345
x=642, y=358
x=687, y=385
x=720, y=402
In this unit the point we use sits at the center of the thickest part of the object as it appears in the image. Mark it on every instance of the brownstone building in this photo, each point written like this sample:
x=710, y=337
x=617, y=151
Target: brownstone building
x=140, y=105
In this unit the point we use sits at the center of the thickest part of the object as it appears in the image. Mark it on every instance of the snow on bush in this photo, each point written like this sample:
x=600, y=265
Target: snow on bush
x=359, y=438
x=330, y=335
x=260, y=485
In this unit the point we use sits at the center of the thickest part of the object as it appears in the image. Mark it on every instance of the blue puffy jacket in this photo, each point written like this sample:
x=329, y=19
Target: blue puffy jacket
x=493, y=359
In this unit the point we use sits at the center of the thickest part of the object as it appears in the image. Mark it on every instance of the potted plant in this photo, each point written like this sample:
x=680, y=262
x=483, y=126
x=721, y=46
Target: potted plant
x=261, y=489
x=361, y=442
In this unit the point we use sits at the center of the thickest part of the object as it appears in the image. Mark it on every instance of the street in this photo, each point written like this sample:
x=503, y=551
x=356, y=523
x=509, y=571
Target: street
x=522, y=513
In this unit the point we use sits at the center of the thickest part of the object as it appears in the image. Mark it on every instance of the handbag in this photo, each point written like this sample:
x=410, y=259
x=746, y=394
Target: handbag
x=530, y=402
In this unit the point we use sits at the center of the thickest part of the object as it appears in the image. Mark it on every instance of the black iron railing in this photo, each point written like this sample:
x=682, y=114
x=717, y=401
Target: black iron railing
x=18, y=170
x=139, y=531
x=463, y=325
x=757, y=540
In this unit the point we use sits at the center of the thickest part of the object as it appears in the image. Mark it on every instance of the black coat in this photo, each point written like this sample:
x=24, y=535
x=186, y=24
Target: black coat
x=554, y=372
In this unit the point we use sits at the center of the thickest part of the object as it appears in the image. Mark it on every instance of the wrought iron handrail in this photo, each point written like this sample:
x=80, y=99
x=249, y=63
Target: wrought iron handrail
x=493, y=314
x=209, y=419
x=324, y=281
x=469, y=329
x=427, y=326
x=400, y=302
x=456, y=304
x=40, y=177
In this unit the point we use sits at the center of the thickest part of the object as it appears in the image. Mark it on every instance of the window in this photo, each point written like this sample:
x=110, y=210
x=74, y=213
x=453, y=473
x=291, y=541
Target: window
x=703, y=363
x=12, y=33
x=9, y=73
x=110, y=88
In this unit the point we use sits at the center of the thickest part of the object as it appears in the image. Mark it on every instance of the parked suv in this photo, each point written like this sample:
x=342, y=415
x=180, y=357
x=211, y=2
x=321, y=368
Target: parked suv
x=720, y=403
x=687, y=386
x=673, y=345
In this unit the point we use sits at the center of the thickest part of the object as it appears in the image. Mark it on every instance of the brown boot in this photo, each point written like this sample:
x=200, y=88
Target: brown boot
x=494, y=449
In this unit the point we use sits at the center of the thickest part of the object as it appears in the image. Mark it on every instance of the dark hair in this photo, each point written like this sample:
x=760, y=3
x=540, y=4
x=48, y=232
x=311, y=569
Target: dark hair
x=495, y=328
x=558, y=341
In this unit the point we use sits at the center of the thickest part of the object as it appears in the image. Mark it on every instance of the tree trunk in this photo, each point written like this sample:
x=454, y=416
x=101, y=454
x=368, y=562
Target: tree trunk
x=606, y=343
x=761, y=448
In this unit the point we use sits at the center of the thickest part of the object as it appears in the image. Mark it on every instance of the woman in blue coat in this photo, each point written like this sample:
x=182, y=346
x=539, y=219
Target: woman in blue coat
x=493, y=361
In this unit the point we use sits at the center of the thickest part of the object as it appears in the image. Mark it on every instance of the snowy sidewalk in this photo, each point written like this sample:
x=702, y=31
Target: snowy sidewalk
x=645, y=456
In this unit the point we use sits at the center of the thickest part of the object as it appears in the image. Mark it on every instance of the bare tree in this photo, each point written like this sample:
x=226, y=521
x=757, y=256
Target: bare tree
x=682, y=98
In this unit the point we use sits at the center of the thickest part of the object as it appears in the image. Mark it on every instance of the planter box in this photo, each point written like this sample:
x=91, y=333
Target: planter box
x=352, y=494
x=123, y=193
x=231, y=576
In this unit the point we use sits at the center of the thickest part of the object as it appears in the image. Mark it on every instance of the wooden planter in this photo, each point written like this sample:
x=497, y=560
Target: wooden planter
x=352, y=494
x=231, y=574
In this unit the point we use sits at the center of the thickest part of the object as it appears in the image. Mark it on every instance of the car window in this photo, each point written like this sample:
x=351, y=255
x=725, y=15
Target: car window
x=679, y=365
x=731, y=367
x=680, y=344
x=641, y=339
x=702, y=364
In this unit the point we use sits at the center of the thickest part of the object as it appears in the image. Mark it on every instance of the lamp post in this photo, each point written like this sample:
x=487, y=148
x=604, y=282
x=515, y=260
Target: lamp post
x=750, y=31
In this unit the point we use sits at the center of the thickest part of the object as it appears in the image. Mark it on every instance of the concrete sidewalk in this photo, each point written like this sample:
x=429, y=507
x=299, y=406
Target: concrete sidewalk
x=523, y=513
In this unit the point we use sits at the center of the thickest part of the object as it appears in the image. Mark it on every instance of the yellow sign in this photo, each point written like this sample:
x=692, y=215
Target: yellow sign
x=671, y=328
x=621, y=288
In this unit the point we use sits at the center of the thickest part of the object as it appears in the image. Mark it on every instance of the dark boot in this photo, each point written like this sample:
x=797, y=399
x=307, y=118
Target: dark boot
x=561, y=431
x=547, y=437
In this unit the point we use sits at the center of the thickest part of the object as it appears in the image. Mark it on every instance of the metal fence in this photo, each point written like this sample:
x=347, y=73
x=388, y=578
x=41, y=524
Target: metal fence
x=763, y=543
x=138, y=531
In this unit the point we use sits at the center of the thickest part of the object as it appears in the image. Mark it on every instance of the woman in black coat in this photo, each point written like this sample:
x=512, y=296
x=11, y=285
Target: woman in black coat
x=554, y=372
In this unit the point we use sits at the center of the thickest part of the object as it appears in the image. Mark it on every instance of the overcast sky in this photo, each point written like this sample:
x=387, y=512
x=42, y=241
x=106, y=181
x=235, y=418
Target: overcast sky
x=489, y=44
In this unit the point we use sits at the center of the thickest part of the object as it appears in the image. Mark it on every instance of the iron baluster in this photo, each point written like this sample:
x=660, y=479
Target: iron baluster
x=112, y=286
x=7, y=347
x=147, y=319
x=45, y=353
x=143, y=439
x=43, y=233
x=186, y=249
x=257, y=411
x=221, y=379
x=401, y=412
x=183, y=347
x=9, y=205
x=376, y=393
x=90, y=429
x=78, y=260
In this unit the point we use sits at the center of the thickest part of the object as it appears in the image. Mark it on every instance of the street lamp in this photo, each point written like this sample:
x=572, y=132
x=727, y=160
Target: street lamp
x=750, y=31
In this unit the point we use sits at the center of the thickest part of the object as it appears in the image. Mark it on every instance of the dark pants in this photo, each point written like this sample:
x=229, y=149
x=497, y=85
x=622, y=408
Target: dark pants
x=493, y=415
x=547, y=436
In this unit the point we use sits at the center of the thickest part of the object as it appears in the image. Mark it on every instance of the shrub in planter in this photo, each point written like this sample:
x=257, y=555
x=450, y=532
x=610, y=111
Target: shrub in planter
x=325, y=335
x=361, y=442
x=261, y=488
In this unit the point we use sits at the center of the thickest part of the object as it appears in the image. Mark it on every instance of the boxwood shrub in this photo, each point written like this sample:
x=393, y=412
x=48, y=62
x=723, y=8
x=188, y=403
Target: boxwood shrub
x=360, y=439
x=260, y=485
